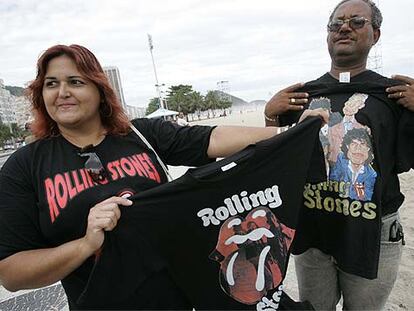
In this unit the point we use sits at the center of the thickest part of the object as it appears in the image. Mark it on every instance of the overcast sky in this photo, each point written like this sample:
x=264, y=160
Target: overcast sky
x=258, y=46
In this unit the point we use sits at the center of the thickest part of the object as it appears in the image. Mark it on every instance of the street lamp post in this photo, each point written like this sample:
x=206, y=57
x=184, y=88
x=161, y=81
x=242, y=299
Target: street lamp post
x=157, y=85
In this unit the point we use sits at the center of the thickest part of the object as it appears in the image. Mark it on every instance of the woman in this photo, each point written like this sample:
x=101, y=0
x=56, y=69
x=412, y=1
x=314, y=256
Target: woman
x=60, y=194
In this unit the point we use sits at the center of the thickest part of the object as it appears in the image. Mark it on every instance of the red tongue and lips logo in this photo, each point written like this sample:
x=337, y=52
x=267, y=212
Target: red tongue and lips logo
x=252, y=254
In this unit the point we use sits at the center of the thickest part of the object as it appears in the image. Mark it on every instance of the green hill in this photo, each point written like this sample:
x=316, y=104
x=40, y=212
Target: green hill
x=15, y=90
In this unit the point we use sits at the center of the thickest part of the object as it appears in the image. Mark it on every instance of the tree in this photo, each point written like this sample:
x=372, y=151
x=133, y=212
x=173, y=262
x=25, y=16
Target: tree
x=183, y=98
x=153, y=105
x=214, y=100
x=5, y=134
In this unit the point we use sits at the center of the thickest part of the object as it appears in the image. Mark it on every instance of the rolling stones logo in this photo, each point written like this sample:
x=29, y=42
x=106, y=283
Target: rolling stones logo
x=252, y=253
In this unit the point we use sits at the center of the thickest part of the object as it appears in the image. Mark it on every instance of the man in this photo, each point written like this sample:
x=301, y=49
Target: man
x=343, y=245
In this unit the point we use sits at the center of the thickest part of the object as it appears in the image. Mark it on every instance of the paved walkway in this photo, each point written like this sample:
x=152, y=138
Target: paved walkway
x=48, y=298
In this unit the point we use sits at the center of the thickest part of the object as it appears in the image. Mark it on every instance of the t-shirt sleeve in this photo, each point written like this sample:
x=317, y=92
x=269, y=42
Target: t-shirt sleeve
x=405, y=142
x=177, y=145
x=19, y=221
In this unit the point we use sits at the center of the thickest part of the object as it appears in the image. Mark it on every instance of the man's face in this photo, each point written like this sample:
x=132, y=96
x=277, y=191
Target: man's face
x=358, y=152
x=349, y=46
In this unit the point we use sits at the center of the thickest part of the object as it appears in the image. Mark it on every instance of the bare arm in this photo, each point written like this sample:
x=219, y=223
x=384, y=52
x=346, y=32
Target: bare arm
x=42, y=267
x=227, y=140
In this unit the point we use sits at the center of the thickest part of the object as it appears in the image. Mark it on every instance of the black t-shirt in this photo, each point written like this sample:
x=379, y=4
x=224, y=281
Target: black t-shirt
x=46, y=194
x=225, y=229
x=366, y=143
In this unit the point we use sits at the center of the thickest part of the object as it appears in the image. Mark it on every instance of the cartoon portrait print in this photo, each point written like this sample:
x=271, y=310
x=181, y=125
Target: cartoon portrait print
x=338, y=131
x=252, y=253
x=353, y=164
x=347, y=146
x=324, y=103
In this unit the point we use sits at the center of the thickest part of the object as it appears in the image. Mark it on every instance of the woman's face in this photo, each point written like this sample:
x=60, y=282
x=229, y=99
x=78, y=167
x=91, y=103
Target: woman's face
x=71, y=100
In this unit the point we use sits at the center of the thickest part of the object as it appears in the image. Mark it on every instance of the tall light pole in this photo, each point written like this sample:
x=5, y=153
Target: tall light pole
x=157, y=85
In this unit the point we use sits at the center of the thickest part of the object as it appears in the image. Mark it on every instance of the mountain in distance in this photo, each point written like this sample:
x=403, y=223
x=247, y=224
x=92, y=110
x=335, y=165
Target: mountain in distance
x=258, y=102
x=15, y=90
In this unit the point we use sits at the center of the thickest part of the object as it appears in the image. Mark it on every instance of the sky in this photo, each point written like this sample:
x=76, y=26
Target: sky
x=257, y=46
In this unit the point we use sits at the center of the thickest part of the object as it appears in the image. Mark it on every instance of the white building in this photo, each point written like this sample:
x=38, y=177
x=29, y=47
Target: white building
x=23, y=111
x=7, y=109
x=114, y=77
x=134, y=112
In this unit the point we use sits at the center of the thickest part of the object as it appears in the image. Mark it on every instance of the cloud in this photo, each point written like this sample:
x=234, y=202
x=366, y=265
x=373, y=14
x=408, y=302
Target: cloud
x=258, y=46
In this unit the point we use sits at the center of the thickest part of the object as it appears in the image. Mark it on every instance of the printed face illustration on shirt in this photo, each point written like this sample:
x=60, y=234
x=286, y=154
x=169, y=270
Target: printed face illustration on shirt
x=348, y=148
x=252, y=253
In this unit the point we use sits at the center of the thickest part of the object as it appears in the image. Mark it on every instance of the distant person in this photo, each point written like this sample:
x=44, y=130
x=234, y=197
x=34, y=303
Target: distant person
x=61, y=193
x=181, y=120
x=343, y=246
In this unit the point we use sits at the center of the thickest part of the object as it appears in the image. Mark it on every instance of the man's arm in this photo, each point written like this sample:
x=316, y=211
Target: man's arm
x=227, y=140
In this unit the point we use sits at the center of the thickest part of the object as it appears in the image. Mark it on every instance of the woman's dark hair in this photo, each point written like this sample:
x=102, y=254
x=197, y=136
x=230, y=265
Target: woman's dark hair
x=111, y=112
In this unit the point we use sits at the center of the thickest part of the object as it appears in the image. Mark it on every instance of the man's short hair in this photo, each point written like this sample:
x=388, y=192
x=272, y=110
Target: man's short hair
x=376, y=16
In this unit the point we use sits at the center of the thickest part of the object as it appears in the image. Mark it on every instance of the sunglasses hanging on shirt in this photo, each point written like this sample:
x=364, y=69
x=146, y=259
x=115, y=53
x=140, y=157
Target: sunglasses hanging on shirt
x=93, y=165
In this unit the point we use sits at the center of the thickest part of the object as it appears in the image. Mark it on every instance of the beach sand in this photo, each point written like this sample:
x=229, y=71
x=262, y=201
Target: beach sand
x=402, y=296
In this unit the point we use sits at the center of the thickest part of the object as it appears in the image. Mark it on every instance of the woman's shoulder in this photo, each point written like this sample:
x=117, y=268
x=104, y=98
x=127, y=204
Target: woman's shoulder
x=26, y=154
x=143, y=123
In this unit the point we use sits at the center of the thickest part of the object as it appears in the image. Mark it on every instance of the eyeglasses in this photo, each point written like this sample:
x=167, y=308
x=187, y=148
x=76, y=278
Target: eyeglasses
x=94, y=167
x=356, y=22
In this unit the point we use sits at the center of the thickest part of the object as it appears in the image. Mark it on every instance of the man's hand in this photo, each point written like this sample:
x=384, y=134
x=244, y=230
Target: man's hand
x=320, y=112
x=286, y=100
x=403, y=94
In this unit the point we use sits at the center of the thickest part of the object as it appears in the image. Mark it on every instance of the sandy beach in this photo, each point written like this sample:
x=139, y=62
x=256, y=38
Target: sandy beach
x=402, y=297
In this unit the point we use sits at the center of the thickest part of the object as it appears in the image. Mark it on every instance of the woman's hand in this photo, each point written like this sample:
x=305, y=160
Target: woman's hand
x=322, y=113
x=102, y=217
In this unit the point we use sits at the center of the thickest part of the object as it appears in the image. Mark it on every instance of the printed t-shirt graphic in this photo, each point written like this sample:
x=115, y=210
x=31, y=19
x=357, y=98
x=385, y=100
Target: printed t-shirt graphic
x=348, y=148
x=252, y=253
x=366, y=143
x=47, y=194
x=257, y=192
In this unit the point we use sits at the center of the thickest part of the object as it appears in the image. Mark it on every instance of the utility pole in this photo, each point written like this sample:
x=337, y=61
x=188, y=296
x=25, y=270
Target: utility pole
x=157, y=85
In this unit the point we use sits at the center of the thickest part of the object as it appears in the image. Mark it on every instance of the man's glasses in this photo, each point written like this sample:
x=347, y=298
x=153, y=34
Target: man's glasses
x=94, y=167
x=355, y=23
